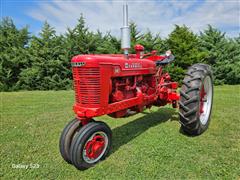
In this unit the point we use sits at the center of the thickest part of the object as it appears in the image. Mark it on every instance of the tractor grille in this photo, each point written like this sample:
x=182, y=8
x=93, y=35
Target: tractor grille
x=87, y=85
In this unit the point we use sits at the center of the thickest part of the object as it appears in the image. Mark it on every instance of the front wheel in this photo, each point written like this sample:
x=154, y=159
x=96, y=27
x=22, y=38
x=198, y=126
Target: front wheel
x=66, y=138
x=90, y=145
x=196, y=98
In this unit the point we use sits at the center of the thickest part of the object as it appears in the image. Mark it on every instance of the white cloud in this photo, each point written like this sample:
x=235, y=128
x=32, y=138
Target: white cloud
x=217, y=13
x=158, y=16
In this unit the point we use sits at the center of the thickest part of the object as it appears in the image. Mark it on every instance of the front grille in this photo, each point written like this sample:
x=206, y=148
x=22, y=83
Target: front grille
x=86, y=85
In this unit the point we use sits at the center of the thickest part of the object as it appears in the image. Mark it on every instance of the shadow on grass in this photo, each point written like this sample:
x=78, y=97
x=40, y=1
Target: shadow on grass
x=129, y=131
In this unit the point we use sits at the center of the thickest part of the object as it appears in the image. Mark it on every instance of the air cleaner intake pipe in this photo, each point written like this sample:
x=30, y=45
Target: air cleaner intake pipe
x=125, y=32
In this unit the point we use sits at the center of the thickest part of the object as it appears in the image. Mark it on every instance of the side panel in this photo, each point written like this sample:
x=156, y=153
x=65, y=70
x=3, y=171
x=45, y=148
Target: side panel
x=106, y=72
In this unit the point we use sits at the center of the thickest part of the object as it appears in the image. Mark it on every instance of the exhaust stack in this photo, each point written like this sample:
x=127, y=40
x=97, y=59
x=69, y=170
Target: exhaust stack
x=125, y=32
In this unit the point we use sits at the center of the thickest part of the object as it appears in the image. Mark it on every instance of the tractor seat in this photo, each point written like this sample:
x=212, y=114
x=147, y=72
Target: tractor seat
x=165, y=61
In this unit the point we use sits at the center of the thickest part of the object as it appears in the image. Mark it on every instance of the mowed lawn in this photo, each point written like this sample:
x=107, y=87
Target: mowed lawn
x=145, y=146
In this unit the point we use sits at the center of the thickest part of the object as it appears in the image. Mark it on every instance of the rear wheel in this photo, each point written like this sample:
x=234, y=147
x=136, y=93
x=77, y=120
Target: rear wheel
x=196, y=97
x=91, y=144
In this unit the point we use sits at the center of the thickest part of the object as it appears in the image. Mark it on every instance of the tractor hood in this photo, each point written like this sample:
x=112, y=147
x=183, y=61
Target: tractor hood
x=115, y=60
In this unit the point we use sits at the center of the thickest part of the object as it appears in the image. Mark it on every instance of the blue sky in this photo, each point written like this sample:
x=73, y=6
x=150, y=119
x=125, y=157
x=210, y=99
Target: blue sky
x=106, y=15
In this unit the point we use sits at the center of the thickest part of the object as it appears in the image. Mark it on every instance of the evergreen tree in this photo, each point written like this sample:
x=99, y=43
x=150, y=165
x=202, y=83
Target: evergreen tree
x=148, y=40
x=80, y=40
x=135, y=36
x=13, y=43
x=184, y=44
x=151, y=42
x=108, y=45
x=212, y=41
x=48, y=67
x=223, y=55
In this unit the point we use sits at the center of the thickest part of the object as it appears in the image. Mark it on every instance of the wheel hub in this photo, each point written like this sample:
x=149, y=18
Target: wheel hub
x=202, y=99
x=95, y=147
x=205, y=100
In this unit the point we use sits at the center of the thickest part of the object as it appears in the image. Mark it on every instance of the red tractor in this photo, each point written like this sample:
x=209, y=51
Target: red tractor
x=120, y=85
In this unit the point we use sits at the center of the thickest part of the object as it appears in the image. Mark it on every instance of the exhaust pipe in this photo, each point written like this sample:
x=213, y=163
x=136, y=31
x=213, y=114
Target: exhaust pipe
x=125, y=32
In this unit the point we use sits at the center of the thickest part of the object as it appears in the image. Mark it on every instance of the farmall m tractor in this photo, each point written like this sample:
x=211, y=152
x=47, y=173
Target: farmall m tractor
x=120, y=85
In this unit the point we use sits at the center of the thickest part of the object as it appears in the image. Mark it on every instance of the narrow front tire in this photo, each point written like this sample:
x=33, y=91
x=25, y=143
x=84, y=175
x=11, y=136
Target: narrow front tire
x=66, y=138
x=90, y=145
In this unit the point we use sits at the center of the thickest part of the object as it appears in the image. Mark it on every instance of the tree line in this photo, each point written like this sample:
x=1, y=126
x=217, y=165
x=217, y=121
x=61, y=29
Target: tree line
x=42, y=62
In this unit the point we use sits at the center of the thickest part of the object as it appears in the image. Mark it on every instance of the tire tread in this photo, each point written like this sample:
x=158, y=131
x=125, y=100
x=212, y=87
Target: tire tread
x=189, y=98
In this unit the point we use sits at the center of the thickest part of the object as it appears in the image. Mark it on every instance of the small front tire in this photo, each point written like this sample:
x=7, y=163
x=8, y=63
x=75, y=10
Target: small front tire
x=66, y=138
x=91, y=144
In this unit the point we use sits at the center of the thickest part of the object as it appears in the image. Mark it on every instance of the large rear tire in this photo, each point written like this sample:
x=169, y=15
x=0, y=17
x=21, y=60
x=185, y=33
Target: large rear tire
x=196, y=98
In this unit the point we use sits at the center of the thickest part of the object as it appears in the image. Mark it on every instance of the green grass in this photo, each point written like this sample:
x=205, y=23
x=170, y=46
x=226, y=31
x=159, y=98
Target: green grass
x=145, y=146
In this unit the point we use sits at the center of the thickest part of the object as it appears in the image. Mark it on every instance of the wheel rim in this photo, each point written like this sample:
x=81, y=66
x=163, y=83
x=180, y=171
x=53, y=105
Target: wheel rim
x=205, y=100
x=95, y=147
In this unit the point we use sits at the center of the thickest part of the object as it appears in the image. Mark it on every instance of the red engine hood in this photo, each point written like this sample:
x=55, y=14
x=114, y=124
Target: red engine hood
x=118, y=60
